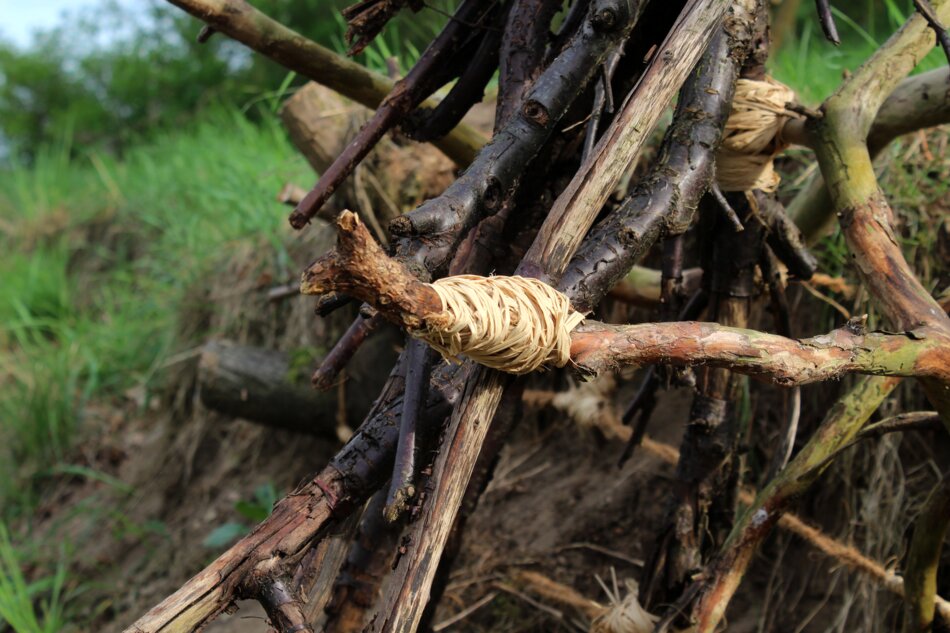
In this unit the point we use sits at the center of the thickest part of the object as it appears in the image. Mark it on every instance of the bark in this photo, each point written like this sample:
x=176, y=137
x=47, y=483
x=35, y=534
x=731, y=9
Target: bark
x=429, y=236
x=576, y=208
x=369, y=558
x=664, y=201
x=522, y=53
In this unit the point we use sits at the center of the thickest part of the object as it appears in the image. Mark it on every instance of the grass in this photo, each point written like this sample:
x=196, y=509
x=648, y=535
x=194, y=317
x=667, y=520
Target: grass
x=814, y=67
x=17, y=596
x=99, y=253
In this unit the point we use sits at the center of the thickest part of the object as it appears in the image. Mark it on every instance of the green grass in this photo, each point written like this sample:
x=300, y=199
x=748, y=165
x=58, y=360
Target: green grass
x=18, y=597
x=814, y=67
x=99, y=253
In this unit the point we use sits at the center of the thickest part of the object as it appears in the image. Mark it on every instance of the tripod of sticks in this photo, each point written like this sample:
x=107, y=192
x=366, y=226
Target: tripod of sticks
x=539, y=199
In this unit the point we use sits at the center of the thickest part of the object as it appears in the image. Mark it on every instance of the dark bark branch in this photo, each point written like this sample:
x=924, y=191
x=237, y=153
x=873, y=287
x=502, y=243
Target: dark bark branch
x=827, y=21
x=366, y=19
x=368, y=560
x=239, y=20
x=785, y=239
x=430, y=234
x=666, y=198
x=282, y=606
x=522, y=52
x=402, y=488
x=341, y=354
x=405, y=95
x=576, y=208
x=426, y=124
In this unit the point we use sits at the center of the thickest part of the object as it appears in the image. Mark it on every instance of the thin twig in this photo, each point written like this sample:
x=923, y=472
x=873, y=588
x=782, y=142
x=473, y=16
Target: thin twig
x=827, y=21
x=923, y=8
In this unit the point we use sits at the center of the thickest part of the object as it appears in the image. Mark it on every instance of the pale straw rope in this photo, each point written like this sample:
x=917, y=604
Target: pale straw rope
x=514, y=324
x=753, y=136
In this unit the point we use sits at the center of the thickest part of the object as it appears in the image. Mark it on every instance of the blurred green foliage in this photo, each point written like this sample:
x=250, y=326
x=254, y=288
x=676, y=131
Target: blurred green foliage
x=110, y=74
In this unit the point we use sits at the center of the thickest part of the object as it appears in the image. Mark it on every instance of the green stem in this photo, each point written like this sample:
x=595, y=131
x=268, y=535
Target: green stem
x=923, y=560
x=839, y=427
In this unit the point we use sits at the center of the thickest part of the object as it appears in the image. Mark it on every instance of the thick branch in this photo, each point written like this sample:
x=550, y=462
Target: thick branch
x=432, y=233
x=864, y=213
x=359, y=267
x=665, y=199
x=577, y=207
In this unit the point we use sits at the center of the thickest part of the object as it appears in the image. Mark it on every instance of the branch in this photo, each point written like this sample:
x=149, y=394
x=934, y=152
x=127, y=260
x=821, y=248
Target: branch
x=918, y=102
x=597, y=347
x=430, y=234
x=522, y=52
x=842, y=423
x=864, y=213
x=283, y=607
x=665, y=199
x=577, y=207
x=923, y=559
x=301, y=518
x=341, y=354
x=360, y=268
x=239, y=20
x=421, y=81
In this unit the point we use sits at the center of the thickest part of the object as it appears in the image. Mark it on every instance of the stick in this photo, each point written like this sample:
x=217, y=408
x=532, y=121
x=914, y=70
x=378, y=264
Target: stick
x=341, y=354
x=665, y=200
x=405, y=95
x=239, y=20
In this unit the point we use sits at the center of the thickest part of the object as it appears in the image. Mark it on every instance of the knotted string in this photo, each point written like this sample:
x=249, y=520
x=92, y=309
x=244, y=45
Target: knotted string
x=514, y=324
x=753, y=135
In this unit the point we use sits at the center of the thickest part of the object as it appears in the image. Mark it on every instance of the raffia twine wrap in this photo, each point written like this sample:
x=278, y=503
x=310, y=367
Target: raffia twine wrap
x=753, y=136
x=514, y=324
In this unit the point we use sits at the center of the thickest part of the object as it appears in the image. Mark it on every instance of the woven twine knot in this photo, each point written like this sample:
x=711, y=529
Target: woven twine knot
x=514, y=324
x=753, y=135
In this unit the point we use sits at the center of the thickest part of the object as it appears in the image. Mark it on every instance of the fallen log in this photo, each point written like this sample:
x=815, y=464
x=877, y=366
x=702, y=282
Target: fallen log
x=391, y=180
x=273, y=388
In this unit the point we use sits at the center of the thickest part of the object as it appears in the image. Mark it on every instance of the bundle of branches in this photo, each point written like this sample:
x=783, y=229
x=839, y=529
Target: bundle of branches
x=544, y=204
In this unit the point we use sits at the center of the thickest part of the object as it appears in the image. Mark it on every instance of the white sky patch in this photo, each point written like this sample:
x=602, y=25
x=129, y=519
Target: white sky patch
x=19, y=19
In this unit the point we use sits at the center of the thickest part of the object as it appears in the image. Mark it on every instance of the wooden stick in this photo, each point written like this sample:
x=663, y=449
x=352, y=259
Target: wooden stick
x=239, y=20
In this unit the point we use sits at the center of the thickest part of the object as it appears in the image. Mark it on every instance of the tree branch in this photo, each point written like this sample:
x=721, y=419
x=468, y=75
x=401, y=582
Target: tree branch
x=239, y=20
x=597, y=347
x=923, y=559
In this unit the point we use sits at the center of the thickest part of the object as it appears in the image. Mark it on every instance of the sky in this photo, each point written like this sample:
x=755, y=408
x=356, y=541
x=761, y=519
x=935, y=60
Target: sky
x=19, y=18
